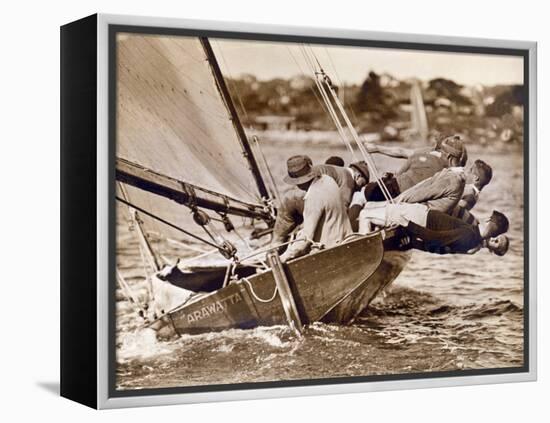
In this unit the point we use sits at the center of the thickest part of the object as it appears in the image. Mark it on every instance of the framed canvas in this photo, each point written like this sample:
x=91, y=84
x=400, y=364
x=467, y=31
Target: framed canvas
x=254, y=211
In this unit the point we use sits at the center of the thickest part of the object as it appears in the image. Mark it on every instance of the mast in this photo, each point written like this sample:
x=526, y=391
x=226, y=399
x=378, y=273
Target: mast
x=185, y=193
x=247, y=151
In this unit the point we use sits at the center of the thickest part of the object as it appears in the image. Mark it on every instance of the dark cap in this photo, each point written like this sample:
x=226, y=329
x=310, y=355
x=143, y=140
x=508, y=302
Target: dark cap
x=362, y=168
x=300, y=170
x=335, y=161
x=454, y=147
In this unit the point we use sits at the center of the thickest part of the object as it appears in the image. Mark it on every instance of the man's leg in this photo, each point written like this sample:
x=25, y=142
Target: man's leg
x=373, y=213
x=385, y=214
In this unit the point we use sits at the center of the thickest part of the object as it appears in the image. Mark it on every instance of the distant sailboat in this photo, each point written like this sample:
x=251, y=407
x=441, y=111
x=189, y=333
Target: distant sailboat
x=188, y=176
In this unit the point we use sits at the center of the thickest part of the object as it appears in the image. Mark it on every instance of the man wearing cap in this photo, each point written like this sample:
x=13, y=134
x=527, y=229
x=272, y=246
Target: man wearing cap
x=289, y=214
x=325, y=216
x=421, y=164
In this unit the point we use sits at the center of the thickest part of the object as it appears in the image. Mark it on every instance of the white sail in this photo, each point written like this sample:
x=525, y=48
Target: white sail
x=419, y=119
x=171, y=118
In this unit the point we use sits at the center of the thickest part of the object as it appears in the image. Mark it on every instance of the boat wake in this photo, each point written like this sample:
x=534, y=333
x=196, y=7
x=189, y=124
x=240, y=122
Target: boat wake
x=392, y=336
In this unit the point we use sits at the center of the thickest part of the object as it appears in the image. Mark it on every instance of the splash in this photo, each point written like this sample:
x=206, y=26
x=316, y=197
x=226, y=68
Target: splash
x=273, y=336
x=140, y=344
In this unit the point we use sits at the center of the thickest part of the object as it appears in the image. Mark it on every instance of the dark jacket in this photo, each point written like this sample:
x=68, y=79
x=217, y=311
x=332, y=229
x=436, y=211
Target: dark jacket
x=444, y=234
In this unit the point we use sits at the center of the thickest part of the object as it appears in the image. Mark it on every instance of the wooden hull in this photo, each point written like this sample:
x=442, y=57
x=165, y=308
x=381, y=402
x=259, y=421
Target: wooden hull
x=350, y=307
x=319, y=282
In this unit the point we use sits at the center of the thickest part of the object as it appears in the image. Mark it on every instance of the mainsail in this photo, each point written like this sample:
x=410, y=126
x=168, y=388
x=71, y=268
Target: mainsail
x=176, y=127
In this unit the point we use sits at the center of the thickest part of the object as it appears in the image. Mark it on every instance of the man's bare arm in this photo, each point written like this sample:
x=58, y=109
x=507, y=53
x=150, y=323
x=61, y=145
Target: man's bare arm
x=398, y=152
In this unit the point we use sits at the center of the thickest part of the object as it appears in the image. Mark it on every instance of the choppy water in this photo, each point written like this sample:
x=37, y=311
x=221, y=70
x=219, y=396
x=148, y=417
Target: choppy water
x=442, y=313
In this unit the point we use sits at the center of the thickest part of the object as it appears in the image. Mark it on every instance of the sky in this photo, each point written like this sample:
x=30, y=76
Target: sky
x=350, y=65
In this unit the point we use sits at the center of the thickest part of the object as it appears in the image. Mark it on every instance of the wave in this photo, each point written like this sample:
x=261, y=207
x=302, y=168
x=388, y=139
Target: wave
x=402, y=301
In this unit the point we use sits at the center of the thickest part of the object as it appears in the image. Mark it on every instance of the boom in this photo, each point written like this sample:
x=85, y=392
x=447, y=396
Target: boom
x=185, y=193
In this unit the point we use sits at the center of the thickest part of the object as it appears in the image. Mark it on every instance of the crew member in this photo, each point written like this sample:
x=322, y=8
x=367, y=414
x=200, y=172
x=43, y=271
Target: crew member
x=437, y=232
x=446, y=189
x=349, y=179
x=421, y=164
x=325, y=216
x=479, y=177
x=289, y=214
x=441, y=192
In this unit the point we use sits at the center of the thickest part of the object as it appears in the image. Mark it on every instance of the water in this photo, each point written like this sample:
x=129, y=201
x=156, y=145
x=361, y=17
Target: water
x=442, y=313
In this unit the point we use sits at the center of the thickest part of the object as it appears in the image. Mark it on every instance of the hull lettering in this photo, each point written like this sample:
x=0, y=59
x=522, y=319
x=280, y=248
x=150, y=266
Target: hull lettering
x=213, y=308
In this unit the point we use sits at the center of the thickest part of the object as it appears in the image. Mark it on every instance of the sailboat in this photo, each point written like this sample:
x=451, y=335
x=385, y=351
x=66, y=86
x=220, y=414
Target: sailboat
x=190, y=178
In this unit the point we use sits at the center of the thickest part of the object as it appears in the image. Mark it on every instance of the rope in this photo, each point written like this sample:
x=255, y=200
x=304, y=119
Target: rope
x=249, y=247
x=275, y=247
x=256, y=296
x=336, y=119
x=232, y=81
x=205, y=254
x=349, y=105
x=323, y=106
x=328, y=104
x=169, y=223
x=148, y=258
x=271, y=179
x=127, y=291
x=325, y=81
x=327, y=101
x=362, y=149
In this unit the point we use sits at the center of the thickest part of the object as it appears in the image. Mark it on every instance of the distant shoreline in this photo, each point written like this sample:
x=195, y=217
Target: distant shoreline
x=331, y=140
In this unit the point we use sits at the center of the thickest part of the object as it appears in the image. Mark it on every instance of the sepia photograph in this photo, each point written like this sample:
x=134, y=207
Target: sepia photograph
x=309, y=210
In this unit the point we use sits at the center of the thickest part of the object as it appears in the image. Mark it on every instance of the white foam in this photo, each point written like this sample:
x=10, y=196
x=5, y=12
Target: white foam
x=141, y=344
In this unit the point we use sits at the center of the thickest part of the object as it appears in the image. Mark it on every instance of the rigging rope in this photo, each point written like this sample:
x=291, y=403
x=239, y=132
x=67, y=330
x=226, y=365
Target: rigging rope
x=274, y=193
x=323, y=105
x=220, y=248
x=256, y=295
x=322, y=81
x=271, y=179
x=366, y=155
x=235, y=90
x=149, y=259
x=130, y=296
x=342, y=85
x=328, y=104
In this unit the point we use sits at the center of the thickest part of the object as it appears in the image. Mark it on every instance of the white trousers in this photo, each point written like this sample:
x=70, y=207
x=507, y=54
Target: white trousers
x=386, y=214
